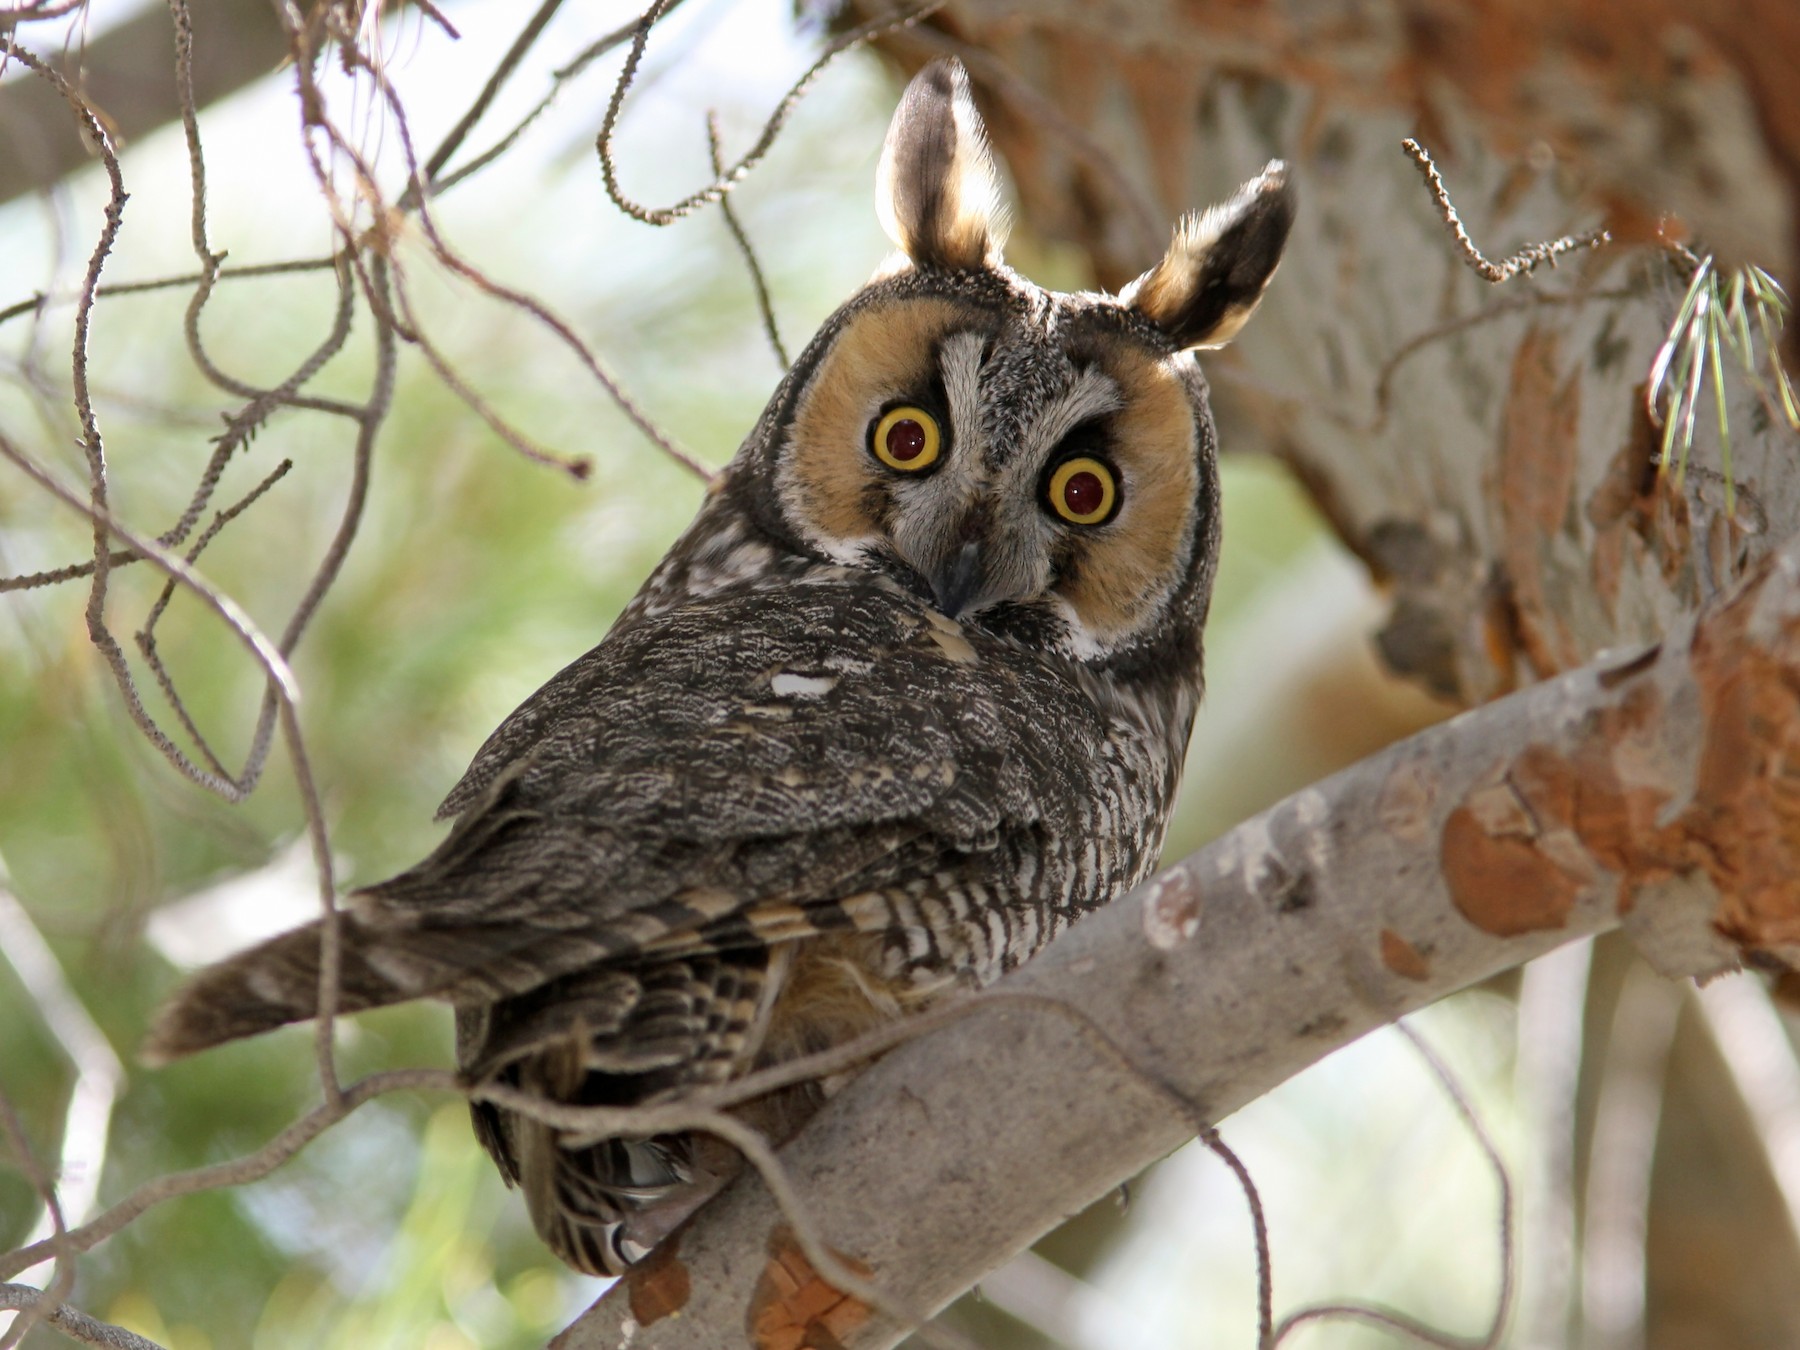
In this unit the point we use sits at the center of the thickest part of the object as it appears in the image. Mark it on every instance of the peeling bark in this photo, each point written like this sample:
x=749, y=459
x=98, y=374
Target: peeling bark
x=1651, y=791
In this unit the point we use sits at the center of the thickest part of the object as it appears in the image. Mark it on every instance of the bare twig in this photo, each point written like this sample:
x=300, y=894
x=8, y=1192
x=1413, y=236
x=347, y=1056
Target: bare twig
x=209, y=261
x=43, y=9
x=438, y=17
x=282, y=686
x=578, y=466
x=1526, y=259
x=725, y=181
x=274, y=664
x=96, y=505
x=63, y=1278
x=92, y=446
x=234, y=1172
x=1400, y=1322
x=453, y=139
x=146, y=637
x=1259, y=1230
x=269, y=657
x=75, y=1325
x=764, y=305
x=40, y=301
x=558, y=77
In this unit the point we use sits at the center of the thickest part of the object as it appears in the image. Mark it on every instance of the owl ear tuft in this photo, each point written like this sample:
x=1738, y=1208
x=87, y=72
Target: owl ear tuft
x=1218, y=265
x=936, y=190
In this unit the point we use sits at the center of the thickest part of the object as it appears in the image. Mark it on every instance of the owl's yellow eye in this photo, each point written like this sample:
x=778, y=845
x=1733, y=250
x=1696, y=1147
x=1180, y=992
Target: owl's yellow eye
x=1083, y=491
x=907, y=438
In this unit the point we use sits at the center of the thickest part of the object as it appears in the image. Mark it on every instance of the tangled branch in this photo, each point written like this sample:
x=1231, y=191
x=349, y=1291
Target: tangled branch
x=1527, y=259
x=724, y=182
x=47, y=1305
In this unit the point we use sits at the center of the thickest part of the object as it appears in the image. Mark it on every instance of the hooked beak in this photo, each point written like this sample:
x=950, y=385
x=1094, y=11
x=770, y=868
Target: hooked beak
x=959, y=580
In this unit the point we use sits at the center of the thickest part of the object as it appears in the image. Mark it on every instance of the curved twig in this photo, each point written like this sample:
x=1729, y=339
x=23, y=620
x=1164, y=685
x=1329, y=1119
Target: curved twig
x=235, y=1171
x=724, y=182
x=764, y=305
x=1398, y=1321
x=35, y=1303
x=1527, y=259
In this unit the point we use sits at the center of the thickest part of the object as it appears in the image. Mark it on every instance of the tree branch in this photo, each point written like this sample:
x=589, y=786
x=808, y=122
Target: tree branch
x=75, y=1325
x=126, y=73
x=1652, y=793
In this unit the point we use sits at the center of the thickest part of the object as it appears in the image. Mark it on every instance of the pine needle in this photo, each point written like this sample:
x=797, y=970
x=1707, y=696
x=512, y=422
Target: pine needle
x=1714, y=317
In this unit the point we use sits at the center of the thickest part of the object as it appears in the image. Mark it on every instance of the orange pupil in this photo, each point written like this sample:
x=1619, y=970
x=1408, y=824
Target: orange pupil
x=906, y=440
x=1084, y=493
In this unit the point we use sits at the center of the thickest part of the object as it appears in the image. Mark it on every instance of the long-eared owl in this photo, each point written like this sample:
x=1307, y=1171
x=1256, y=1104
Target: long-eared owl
x=908, y=697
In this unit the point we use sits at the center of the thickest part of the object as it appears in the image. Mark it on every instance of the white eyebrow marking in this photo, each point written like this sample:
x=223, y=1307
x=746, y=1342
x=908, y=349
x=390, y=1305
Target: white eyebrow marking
x=960, y=360
x=1093, y=393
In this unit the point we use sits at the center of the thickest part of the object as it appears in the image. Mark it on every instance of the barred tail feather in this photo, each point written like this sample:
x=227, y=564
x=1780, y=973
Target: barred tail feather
x=271, y=985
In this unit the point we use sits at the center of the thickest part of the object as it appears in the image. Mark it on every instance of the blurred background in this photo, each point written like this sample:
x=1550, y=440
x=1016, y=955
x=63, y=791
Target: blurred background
x=476, y=575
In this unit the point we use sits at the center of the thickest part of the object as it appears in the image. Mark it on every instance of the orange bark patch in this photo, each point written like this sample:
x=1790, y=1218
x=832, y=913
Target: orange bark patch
x=1401, y=957
x=1617, y=786
x=1622, y=501
x=1745, y=816
x=1503, y=883
x=1538, y=454
x=1524, y=845
x=658, y=1286
x=1531, y=841
x=1636, y=511
x=794, y=1308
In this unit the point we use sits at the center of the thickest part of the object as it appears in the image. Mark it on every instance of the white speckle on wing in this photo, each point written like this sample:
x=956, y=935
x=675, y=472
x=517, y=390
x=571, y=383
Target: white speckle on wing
x=787, y=684
x=266, y=985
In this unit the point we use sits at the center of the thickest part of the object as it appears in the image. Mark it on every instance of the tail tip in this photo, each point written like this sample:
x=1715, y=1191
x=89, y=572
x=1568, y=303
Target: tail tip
x=174, y=1035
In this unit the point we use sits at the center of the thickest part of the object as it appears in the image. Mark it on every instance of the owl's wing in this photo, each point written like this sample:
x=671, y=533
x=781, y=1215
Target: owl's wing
x=746, y=767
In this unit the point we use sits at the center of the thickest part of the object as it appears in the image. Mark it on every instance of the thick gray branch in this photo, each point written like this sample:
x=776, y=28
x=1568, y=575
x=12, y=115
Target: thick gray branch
x=1635, y=791
x=128, y=74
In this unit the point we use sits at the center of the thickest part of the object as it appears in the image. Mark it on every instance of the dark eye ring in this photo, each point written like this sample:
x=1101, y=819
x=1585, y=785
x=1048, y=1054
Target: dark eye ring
x=906, y=439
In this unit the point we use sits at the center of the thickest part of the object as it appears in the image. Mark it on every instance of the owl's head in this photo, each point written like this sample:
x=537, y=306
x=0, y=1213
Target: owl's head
x=1037, y=464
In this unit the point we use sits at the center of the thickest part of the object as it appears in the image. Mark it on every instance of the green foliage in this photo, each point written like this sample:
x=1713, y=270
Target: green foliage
x=1724, y=315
